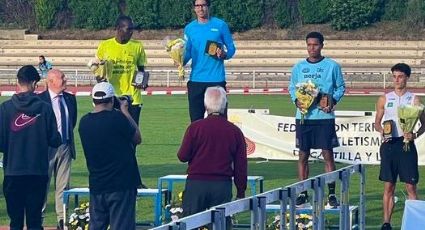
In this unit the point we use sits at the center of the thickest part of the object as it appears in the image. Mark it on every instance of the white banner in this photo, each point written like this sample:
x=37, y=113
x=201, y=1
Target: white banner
x=273, y=137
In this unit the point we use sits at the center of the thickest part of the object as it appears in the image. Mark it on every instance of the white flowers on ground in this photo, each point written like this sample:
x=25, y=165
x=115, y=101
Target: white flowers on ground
x=175, y=207
x=302, y=222
x=79, y=220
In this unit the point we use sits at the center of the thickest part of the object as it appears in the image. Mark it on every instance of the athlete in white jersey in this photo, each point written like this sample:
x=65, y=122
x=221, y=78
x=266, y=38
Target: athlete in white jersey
x=395, y=161
x=392, y=102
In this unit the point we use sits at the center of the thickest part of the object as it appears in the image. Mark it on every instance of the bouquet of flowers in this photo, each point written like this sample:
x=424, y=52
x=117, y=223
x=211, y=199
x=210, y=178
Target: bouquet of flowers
x=306, y=93
x=175, y=209
x=408, y=117
x=274, y=225
x=175, y=48
x=302, y=222
x=79, y=220
x=100, y=69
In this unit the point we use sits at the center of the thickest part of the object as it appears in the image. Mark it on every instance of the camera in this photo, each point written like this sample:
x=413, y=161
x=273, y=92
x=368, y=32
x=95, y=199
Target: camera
x=117, y=104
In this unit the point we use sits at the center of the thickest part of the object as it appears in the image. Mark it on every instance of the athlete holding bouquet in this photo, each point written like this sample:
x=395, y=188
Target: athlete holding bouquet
x=124, y=61
x=396, y=160
x=208, y=43
x=318, y=128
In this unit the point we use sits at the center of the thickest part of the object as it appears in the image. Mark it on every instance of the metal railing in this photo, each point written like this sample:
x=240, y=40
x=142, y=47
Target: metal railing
x=235, y=78
x=286, y=197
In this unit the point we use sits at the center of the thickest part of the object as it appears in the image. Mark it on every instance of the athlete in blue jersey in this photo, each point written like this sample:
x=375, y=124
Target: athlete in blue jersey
x=208, y=43
x=318, y=128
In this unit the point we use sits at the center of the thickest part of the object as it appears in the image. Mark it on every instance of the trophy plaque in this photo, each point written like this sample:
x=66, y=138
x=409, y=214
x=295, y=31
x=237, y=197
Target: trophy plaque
x=388, y=129
x=211, y=48
x=326, y=100
x=141, y=79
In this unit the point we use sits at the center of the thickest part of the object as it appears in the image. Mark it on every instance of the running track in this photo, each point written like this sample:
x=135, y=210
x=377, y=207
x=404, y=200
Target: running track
x=85, y=91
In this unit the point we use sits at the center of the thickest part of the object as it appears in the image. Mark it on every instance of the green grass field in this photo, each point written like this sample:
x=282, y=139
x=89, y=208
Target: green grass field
x=164, y=120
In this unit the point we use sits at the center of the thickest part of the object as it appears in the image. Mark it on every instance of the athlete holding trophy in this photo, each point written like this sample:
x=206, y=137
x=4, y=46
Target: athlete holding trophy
x=208, y=43
x=121, y=61
x=316, y=86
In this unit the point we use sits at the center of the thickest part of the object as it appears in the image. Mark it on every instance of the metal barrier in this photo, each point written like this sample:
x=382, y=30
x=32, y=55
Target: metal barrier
x=235, y=77
x=257, y=205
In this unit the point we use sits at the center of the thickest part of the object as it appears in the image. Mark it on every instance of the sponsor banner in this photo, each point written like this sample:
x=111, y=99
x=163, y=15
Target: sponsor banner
x=273, y=137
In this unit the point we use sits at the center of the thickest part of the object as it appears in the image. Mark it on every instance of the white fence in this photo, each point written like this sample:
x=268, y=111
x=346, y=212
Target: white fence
x=235, y=78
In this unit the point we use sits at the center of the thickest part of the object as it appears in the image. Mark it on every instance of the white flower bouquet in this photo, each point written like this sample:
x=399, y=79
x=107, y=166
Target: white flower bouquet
x=175, y=207
x=408, y=117
x=306, y=93
x=302, y=222
x=175, y=48
x=79, y=220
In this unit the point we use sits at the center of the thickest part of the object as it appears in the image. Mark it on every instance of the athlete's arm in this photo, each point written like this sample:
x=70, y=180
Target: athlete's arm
x=421, y=130
x=379, y=114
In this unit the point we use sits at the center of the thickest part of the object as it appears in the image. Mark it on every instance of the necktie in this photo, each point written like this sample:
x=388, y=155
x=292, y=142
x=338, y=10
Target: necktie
x=63, y=119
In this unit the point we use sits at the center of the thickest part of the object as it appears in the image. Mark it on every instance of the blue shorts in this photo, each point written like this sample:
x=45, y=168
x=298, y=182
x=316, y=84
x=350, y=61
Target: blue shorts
x=315, y=134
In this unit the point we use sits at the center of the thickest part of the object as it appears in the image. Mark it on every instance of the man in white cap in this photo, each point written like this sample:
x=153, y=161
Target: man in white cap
x=108, y=137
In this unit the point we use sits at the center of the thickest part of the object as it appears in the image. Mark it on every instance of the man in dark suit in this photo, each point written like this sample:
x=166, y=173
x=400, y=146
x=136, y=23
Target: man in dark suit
x=65, y=108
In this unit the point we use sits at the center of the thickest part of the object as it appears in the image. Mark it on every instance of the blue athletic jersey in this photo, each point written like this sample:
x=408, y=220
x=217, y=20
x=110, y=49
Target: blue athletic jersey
x=326, y=75
x=204, y=67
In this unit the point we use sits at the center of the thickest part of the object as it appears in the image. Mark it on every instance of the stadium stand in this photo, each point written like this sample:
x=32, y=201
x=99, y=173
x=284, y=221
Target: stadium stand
x=271, y=60
x=354, y=55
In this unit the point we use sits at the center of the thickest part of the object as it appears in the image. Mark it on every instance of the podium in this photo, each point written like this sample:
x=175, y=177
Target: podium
x=413, y=215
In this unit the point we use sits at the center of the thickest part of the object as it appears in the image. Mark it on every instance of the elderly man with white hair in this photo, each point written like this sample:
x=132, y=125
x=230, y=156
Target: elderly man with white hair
x=216, y=151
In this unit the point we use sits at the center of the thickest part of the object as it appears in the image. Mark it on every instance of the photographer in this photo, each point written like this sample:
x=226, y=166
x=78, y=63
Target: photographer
x=117, y=103
x=109, y=137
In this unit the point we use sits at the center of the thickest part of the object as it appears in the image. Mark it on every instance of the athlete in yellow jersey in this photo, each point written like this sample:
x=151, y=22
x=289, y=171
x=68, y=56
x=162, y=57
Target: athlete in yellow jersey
x=124, y=58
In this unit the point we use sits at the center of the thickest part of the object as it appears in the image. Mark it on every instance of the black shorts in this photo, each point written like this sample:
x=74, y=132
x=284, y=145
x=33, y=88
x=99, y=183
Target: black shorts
x=395, y=162
x=195, y=95
x=315, y=134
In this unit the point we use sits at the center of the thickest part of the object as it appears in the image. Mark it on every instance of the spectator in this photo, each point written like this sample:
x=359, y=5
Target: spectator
x=318, y=129
x=65, y=108
x=215, y=150
x=108, y=137
x=127, y=58
x=27, y=128
x=396, y=162
x=208, y=43
x=44, y=66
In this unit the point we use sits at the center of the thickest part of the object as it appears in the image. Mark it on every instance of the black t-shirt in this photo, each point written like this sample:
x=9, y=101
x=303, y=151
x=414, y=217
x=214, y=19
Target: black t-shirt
x=106, y=137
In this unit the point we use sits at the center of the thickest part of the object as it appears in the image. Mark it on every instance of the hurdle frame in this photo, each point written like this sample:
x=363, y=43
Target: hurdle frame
x=286, y=197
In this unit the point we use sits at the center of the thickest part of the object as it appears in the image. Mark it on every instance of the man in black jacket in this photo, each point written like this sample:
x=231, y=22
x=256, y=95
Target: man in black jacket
x=65, y=108
x=27, y=129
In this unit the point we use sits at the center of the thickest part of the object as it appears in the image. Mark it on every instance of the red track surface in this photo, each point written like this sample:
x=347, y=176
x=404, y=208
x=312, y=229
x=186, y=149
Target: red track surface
x=169, y=90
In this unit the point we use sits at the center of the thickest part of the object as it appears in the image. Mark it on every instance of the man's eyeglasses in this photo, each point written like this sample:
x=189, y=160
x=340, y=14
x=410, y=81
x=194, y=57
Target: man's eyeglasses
x=200, y=5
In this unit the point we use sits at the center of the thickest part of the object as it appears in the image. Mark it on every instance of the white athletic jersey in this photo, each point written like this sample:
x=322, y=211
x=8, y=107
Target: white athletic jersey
x=392, y=102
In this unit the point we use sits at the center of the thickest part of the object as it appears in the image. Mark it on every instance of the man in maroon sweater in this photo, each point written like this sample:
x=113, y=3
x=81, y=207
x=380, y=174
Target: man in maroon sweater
x=216, y=151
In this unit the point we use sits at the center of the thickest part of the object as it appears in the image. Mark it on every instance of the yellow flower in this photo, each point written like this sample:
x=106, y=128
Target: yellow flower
x=180, y=196
x=175, y=49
